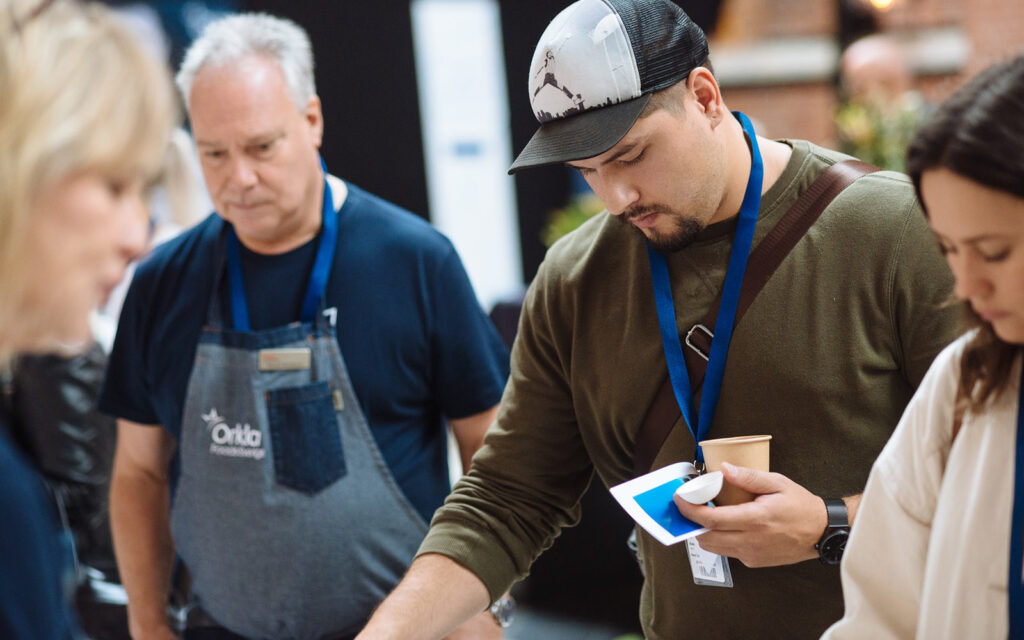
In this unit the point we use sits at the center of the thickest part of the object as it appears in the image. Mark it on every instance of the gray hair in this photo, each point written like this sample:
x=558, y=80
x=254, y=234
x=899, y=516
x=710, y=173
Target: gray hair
x=253, y=34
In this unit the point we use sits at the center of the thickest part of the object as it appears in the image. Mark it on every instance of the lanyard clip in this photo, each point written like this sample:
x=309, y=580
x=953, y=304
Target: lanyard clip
x=701, y=467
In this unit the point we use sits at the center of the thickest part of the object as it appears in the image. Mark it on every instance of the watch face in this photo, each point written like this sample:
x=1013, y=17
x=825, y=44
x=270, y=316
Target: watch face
x=503, y=610
x=833, y=545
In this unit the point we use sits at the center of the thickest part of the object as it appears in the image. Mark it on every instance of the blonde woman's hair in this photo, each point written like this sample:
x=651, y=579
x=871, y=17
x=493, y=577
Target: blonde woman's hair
x=78, y=94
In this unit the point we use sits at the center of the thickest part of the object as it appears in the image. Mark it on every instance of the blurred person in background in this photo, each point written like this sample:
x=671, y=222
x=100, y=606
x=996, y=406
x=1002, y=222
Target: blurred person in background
x=879, y=109
x=284, y=370
x=84, y=123
x=936, y=552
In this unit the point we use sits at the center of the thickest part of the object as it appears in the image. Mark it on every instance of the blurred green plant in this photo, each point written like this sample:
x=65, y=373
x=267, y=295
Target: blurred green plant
x=877, y=130
x=562, y=221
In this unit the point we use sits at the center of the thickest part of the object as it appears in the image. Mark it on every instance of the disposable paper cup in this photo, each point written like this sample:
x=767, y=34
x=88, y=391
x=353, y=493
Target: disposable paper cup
x=742, y=451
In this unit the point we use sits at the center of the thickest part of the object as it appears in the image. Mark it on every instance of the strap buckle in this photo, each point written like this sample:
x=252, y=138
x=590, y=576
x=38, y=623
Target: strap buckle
x=689, y=341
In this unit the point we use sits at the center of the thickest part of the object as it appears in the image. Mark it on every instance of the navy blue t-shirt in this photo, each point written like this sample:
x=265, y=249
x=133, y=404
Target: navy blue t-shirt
x=34, y=564
x=417, y=345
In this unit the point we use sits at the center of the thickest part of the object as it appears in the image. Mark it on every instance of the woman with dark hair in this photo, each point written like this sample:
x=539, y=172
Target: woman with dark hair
x=936, y=551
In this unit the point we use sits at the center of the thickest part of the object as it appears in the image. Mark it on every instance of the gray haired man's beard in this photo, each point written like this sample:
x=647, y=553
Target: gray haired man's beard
x=685, y=230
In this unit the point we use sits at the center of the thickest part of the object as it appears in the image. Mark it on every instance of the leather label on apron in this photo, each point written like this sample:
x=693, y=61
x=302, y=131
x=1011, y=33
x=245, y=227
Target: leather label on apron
x=284, y=359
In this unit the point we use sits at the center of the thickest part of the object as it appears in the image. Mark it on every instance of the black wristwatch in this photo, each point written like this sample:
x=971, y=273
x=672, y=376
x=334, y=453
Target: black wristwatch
x=837, y=531
x=503, y=610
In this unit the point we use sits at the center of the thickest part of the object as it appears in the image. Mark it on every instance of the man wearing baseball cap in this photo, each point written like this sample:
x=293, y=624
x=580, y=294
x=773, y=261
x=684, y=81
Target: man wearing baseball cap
x=823, y=358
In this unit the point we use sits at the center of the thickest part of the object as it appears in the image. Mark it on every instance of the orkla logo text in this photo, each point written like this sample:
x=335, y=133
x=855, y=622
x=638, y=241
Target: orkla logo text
x=239, y=441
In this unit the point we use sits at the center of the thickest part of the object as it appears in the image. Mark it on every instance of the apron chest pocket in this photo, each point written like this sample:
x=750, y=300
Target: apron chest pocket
x=306, y=437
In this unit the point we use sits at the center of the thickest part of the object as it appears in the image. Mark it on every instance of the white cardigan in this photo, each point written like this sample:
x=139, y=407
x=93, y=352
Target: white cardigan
x=928, y=556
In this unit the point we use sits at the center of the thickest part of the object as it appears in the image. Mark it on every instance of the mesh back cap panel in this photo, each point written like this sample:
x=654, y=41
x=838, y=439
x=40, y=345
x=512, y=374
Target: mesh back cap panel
x=666, y=43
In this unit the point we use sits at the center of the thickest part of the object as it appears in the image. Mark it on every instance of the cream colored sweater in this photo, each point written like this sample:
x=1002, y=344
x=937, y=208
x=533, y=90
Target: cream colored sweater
x=929, y=554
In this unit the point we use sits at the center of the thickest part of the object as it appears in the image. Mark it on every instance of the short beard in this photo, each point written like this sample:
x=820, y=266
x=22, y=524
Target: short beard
x=685, y=232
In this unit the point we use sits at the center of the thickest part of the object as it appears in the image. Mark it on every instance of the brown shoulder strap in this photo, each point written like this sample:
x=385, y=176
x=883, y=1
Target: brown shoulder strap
x=764, y=259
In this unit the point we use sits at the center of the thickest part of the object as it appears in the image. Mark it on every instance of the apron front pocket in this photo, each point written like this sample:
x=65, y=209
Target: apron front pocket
x=304, y=430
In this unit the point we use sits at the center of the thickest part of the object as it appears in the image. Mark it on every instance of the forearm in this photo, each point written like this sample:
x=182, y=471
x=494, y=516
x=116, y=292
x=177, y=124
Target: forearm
x=435, y=596
x=140, y=524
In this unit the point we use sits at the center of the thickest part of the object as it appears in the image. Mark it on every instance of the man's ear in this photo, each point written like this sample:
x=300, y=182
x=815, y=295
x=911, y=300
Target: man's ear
x=315, y=117
x=707, y=95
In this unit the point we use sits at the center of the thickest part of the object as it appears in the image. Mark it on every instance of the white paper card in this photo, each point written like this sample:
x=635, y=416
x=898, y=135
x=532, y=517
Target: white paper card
x=648, y=500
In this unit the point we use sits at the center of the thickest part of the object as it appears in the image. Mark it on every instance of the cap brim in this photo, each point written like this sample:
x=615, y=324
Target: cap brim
x=585, y=135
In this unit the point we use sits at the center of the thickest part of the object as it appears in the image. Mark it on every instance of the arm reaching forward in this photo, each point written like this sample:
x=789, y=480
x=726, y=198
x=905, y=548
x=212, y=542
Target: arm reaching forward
x=435, y=596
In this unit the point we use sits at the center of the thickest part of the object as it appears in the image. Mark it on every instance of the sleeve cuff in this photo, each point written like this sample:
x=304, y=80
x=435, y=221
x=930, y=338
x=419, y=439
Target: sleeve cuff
x=474, y=550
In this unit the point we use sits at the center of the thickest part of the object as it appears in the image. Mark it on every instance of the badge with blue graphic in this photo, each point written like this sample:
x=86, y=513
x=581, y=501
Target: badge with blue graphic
x=648, y=500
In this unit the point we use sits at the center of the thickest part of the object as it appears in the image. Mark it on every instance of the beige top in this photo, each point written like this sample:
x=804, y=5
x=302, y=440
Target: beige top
x=929, y=553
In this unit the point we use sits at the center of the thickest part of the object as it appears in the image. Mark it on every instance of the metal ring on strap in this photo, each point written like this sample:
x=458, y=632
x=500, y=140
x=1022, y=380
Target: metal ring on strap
x=690, y=343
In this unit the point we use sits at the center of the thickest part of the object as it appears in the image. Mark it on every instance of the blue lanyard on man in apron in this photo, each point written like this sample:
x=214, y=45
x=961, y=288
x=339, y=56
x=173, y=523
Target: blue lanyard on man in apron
x=726, y=313
x=317, y=279
x=1015, y=583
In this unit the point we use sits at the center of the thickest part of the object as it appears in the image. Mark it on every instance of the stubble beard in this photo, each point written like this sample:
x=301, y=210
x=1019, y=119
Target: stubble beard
x=685, y=229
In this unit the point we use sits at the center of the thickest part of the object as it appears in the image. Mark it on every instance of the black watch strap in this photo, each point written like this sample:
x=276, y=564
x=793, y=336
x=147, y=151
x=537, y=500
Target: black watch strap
x=837, y=515
x=833, y=541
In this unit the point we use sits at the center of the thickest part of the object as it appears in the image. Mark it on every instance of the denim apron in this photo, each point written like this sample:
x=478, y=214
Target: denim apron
x=285, y=513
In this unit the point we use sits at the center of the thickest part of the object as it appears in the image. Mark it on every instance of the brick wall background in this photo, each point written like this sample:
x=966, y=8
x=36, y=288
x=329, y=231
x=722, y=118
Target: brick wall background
x=994, y=29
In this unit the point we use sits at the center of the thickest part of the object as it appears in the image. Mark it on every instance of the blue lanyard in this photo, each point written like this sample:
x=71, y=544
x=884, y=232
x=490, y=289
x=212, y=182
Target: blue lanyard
x=317, y=279
x=726, y=311
x=1015, y=583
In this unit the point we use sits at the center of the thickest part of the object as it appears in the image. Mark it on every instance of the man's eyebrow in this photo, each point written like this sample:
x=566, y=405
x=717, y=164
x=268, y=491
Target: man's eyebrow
x=256, y=139
x=621, y=152
x=615, y=156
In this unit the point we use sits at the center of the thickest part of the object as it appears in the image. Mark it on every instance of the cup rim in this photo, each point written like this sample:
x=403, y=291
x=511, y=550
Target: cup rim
x=735, y=440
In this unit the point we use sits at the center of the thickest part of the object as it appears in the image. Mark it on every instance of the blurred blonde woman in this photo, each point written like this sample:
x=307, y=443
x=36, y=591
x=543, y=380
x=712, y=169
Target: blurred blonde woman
x=84, y=118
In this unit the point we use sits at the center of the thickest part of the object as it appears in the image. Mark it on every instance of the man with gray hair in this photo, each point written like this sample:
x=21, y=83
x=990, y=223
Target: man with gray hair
x=283, y=371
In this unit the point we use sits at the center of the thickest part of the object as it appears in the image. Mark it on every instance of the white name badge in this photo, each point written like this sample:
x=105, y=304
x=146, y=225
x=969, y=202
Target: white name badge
x=709, y=569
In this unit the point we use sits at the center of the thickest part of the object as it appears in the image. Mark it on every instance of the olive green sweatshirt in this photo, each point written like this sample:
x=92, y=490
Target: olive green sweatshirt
x=824, y=360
